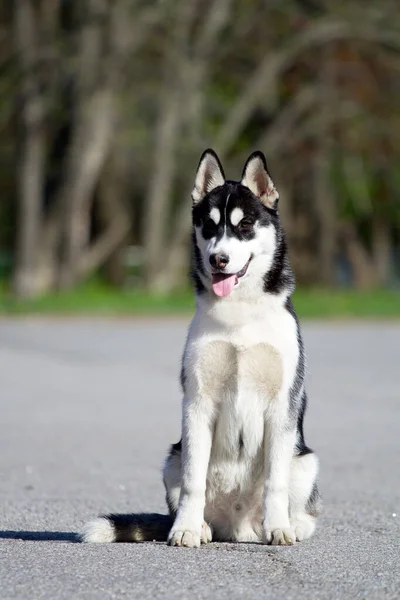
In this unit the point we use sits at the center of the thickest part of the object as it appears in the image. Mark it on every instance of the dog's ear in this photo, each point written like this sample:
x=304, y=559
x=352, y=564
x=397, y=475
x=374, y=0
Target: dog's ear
x=258, y=180
x=209, y=175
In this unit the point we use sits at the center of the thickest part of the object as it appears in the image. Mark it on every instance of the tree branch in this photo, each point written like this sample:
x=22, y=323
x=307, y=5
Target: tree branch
x=275, y=138
x=101, y=249
x=271, y=68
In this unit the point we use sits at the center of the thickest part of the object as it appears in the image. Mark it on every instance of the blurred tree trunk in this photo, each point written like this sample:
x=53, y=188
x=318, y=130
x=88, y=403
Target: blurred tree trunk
x=381, y=248
x=55, y=246
x=31, y=152
x=324, y=198
x=164, y=164
x=105, y=43
x=363, y=268
x=92, y=130
x=163, y=171
x=112, y=213
x=87, y=155
x=166, y=269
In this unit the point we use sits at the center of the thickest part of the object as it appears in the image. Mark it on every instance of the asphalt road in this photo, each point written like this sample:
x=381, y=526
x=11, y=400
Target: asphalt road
x=88, y=409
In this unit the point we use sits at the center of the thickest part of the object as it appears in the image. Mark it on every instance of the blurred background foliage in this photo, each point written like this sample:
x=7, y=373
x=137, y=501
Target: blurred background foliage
x=106, y=106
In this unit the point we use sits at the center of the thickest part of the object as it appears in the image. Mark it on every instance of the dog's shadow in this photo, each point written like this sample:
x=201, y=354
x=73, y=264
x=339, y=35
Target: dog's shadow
x=40, y=536
x=163, y=523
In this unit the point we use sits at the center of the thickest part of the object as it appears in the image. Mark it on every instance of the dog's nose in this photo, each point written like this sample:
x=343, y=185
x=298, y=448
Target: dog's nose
x=219, y=261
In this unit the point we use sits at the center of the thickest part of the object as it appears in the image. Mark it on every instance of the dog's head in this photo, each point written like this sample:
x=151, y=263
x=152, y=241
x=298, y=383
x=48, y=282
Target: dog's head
x=236, y=224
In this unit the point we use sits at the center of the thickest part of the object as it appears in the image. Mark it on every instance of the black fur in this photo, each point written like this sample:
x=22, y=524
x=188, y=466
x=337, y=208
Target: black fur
x=235, y=195
x=298, y=407
x=314, y=504
x=298, y=396
x=280, y=277
x=241, y=444
x=142, y=527
x=295, y=398
x=176, y=448
x=182, y=377
x=227, y=197
x=301, y=447
x=174, y=455
x=197, y=267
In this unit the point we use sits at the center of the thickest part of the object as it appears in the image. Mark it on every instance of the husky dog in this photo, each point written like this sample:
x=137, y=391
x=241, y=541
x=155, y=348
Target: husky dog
x=242, y=471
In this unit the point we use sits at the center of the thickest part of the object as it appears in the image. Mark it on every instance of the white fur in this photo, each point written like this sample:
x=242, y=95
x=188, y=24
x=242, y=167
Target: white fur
x=262, y=249
x=99, y=530
x=226, y=490
x=244, y=495
x=304, y=471
x=226, y=206
x=208, y=177
x=215, y=215
x=260, y=183
x=237, y=476
x=236, y=216
x=238, y=469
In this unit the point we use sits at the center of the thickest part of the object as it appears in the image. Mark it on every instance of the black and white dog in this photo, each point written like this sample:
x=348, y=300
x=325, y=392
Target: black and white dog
x=242, y=471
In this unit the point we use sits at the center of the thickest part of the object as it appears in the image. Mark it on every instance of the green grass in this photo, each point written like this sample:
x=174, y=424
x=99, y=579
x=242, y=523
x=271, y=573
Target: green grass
x=316, y=303
x=95, y=298
x=98, y=299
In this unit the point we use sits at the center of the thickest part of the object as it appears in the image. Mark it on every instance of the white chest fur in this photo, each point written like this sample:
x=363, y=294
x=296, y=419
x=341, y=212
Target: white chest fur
x=245, y=325
x=242, y=358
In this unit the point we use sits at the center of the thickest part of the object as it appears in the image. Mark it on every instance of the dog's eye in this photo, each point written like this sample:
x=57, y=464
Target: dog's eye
x=245, y=225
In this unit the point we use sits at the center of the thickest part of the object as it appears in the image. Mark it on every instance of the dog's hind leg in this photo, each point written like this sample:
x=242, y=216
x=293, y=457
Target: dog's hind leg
x=172, y=474
x=304, y=498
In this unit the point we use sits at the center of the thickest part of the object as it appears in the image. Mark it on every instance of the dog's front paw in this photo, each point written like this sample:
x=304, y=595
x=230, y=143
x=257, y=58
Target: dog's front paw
x=280, y=537
x=206, y=534
x=185, y=537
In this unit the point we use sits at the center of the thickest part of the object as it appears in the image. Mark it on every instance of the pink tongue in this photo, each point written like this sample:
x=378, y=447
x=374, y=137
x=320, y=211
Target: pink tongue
x=223, y=284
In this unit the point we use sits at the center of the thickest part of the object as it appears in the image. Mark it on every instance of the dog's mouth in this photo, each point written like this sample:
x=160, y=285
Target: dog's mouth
x=223, y=283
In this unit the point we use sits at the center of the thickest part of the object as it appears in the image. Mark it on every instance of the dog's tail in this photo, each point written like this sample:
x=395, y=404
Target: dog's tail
x=127, y=528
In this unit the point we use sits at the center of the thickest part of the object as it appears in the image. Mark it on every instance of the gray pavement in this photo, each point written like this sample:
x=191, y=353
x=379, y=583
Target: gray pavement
x=88, y=409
